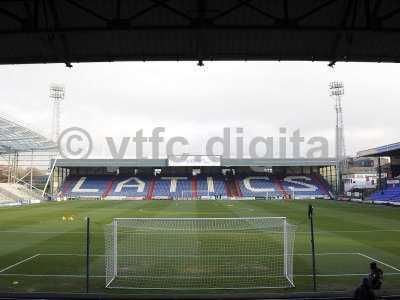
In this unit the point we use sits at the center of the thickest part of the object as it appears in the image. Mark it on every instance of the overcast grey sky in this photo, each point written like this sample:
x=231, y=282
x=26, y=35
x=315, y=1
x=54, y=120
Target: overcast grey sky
x=117, y=99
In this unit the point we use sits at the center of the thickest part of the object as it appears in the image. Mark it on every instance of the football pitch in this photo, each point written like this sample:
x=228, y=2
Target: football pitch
x=43, y=246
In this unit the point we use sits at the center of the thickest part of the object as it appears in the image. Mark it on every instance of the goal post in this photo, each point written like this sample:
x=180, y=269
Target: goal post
x=199, y=253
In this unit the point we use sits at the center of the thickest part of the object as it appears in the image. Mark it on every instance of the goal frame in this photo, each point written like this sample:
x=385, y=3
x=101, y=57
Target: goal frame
x=286, y=254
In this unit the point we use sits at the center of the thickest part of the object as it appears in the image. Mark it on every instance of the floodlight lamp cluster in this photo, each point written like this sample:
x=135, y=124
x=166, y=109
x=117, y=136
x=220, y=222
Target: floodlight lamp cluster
x=336, y=88
x=57, y=91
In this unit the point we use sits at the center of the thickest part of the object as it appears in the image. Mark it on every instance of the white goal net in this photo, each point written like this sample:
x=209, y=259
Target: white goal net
x=199, y=253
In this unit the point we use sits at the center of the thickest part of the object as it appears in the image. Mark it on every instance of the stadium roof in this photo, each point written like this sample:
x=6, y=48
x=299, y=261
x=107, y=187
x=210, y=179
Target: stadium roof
x=68, y=31
x=162, y=163
x=15, y=137
x=387, y=150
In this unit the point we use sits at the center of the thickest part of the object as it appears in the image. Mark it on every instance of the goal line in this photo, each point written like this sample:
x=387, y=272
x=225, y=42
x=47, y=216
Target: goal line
x=12, y=270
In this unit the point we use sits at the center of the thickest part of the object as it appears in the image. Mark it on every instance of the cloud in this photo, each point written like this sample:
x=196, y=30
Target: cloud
x=117, y=99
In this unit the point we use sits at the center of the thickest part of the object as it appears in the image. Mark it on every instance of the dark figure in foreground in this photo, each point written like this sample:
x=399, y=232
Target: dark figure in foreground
x=364, y=292
x=375, y=276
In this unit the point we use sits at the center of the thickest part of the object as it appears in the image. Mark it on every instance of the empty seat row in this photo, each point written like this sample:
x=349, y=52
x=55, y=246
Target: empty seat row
x=198, y=186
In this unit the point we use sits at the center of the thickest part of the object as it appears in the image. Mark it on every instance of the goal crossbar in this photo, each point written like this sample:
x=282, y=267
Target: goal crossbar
x=200, y=219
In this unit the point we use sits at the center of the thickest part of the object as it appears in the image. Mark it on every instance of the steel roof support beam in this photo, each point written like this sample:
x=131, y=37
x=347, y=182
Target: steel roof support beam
x=286, y=10
x=87, y=10
x=162, y=28
x=118, y=9
x=30, y=22
x=230, y=10
x=339, y=36
x=143, y=11
x=367, y=11
x=64, y=44
x=389, y=15
x=173, y=10
x=315, y=10
x=262, y=12
x=11, y=15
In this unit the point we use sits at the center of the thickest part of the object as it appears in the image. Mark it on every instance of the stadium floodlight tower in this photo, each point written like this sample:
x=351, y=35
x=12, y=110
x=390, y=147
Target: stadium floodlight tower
x=336, y=92
x=57, y=94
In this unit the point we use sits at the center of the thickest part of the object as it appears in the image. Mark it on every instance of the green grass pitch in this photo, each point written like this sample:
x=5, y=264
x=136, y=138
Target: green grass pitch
x=42, y=246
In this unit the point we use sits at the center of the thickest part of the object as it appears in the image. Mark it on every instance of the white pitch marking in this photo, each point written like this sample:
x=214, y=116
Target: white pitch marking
x=328, y=253
x=339, y=275
x=244, y=255
x=102, y=276
x=51, y=275
x=349, y=231
x=379, y=261
x=20, y=262
x=297, y=232
x=70, y=254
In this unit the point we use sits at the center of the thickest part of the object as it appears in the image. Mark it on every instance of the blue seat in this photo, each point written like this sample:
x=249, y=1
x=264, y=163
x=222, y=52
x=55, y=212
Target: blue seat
x=389, y=194
x=250, y=186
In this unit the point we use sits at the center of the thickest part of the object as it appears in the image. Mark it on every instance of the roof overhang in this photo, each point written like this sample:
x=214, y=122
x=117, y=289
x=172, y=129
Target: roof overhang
x=163, y=163
x=70, y=31
x=386, y=150
x=15, y=137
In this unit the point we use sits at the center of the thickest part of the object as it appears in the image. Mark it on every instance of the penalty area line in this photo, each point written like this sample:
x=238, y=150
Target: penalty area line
x=51, y=275
x=379, y=261
x=340, y=275
x=20, y=262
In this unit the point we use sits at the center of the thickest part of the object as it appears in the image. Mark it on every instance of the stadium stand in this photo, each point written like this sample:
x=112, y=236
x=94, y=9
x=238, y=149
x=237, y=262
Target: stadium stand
x=388, y=195
x=172, y=187
x=86, y=186
x=17, y=194
x=5, y=200
x=203, y=187
x=258, y=186
x=210, y=186
x=304, y=186
x=127, y=187
x=388, y=188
